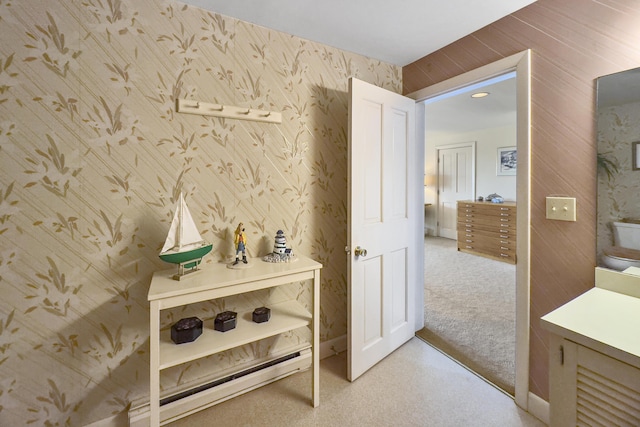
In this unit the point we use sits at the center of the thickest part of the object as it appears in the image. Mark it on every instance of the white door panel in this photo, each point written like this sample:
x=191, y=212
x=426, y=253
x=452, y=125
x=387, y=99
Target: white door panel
x=382, y=283
x=373, y=331
x=399, y=290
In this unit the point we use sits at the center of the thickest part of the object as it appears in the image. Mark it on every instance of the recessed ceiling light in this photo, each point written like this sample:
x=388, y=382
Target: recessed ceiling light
x=480, y=94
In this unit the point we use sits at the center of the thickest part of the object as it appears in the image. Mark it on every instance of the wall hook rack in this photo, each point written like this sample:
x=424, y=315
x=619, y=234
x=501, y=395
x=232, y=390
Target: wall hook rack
x=227, y=111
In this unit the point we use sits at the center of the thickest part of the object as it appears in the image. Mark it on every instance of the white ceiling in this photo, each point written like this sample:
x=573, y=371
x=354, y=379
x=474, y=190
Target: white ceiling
x=398, y=32
x=456, y=112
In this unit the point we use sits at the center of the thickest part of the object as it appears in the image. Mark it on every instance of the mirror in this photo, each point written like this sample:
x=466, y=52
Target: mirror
x=618, y=203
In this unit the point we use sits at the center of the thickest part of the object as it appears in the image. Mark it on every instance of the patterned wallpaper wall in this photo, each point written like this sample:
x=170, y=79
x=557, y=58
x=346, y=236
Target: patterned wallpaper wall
x=94, y=157
x=618, y=194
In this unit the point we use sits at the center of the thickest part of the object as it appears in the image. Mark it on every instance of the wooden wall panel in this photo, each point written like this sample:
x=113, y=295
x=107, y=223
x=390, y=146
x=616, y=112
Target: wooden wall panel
x=572, y=42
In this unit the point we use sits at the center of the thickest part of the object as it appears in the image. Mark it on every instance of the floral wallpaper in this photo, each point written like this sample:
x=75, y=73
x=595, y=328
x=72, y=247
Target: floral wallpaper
x=94, y=157
x=618, y=193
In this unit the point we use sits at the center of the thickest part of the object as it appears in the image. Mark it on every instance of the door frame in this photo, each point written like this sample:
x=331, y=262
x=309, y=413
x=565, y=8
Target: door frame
x=521, y=63
x=472, y=145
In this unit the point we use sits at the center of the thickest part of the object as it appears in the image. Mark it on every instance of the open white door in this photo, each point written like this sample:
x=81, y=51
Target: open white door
x=382, y=227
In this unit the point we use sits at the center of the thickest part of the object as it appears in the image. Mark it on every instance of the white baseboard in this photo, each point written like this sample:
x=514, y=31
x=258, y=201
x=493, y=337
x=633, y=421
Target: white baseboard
x=139, y=414
x=538, y=407
x=333, y=347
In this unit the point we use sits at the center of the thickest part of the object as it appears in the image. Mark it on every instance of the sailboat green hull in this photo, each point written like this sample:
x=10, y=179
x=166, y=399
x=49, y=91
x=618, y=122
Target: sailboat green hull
x=194, y=255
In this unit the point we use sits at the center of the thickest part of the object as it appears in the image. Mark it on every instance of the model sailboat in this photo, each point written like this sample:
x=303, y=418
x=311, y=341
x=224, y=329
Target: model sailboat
x=184, y=245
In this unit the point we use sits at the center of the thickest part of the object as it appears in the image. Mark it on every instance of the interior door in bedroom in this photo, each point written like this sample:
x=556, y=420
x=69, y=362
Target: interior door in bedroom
x=455, y=182
x=383, y=234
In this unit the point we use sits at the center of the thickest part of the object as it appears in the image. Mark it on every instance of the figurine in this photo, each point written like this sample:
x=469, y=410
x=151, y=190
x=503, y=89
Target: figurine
x=280, y=251
x=240, y=241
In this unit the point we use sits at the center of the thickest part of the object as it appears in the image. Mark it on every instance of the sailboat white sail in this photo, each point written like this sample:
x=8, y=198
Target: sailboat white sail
x=184, y=244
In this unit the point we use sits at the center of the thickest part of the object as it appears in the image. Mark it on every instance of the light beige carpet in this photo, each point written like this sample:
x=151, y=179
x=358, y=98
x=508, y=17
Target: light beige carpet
x=470, y=310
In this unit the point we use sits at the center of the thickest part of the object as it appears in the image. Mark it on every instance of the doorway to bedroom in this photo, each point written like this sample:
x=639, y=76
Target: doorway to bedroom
x=470, y=299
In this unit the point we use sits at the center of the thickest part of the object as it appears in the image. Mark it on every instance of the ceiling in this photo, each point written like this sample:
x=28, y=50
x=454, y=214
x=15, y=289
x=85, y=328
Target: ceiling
x=397, y=32
x=619, y=88
x=456, y=112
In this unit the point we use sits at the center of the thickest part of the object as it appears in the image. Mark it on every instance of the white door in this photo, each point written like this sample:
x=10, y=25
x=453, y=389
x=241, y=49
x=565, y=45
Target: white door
x=382, y=178
x=455, y=182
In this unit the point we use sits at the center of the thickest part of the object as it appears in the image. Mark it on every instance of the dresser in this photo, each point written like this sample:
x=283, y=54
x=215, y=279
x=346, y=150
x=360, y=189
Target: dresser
x=487, y=229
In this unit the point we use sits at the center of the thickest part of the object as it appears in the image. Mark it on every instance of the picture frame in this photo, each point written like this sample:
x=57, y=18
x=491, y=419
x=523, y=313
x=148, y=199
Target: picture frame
x=635, y=155
x=507, y=161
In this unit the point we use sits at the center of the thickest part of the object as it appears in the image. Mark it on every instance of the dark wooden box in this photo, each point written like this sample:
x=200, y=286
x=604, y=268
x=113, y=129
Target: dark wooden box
x=261, y=314
x=186, y=330
x=225, y=321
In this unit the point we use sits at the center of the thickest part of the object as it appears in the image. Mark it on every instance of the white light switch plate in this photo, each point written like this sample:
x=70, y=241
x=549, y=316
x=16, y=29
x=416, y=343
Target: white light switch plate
x=561, y=208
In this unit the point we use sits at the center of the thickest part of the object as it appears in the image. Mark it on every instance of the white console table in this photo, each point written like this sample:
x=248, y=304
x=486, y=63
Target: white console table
x=218, y=281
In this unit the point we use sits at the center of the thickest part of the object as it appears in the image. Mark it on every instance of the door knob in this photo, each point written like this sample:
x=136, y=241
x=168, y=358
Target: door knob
x=360, y=251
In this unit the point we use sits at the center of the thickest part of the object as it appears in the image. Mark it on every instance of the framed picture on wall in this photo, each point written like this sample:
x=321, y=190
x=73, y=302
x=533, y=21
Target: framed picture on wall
x=507, y=160
x=635, y=155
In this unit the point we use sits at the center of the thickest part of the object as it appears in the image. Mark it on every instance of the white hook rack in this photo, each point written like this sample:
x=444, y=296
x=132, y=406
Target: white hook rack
x=227, y=111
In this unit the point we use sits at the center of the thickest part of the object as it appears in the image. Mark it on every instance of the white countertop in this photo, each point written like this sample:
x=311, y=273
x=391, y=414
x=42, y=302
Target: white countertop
x=607, y=321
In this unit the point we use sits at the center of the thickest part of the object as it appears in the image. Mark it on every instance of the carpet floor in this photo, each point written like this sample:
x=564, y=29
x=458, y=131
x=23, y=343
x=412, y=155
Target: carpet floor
x=470, y=310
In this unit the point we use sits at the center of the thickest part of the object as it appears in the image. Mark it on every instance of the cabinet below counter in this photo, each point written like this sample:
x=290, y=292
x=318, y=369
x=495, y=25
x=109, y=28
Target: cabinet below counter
x=594, y=360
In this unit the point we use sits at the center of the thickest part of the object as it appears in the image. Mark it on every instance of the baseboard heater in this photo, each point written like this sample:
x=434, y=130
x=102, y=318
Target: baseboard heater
x=183, y=403
x=227, y=379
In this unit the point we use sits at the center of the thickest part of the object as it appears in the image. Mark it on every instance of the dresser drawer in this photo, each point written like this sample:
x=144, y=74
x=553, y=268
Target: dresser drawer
x=491, y=223
x=491, y=209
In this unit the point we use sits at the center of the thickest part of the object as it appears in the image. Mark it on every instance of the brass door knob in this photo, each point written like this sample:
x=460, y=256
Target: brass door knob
x=360, y=251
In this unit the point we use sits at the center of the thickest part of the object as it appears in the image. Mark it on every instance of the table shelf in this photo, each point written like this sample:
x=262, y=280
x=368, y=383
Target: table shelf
x=285, y=317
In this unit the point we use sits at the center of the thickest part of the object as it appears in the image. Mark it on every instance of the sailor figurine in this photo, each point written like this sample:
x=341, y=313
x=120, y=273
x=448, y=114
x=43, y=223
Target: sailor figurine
x=240, y=241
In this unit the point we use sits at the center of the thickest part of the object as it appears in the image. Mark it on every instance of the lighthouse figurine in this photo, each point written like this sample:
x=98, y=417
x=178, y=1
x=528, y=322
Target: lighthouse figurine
x=280, y=251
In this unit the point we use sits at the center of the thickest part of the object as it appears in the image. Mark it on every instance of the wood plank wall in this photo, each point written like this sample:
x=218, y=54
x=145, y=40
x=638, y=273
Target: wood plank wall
x=572, y=42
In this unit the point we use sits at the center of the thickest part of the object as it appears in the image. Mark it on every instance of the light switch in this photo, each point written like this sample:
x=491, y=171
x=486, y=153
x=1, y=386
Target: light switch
x=561, y=208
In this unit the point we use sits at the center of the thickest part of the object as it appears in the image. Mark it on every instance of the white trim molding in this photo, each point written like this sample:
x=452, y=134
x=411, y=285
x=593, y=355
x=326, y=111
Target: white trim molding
x=521, y=64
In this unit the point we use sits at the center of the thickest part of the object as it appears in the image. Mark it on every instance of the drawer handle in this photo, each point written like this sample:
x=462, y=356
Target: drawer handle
x=504, y=219
x=504, y=209
x=468, y=235
x=504, y=249
x=504, y=231
x=469, y=215
x=504, y=242
x=469, y=241
x=504, y=255
x=468, y=247
x=504, y=214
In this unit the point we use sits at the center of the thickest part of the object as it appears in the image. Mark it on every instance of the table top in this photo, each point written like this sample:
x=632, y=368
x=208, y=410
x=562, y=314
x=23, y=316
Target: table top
x=218, y=275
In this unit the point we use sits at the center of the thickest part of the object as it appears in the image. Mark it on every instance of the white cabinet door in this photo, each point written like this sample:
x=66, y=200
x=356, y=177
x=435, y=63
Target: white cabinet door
x=590, y=388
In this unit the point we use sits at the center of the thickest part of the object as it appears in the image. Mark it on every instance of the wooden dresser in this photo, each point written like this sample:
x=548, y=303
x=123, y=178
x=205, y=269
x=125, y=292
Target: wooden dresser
x=488, y=229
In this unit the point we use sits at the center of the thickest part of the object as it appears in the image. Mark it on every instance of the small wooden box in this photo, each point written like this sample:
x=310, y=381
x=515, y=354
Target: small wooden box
x=186, y=330
x=261, y=314
x=225, y=321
